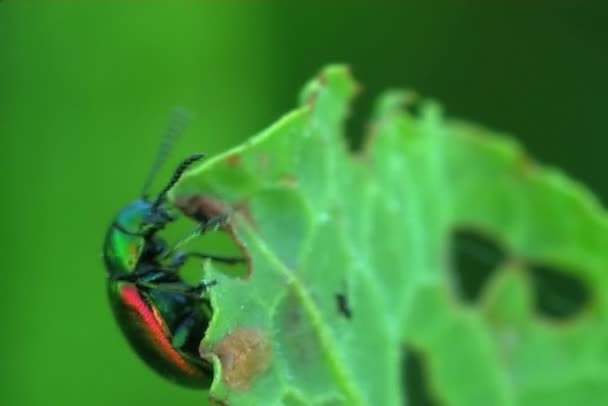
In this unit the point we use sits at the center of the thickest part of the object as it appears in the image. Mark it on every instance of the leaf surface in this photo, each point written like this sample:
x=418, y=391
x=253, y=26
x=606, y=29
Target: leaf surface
x=353, y=270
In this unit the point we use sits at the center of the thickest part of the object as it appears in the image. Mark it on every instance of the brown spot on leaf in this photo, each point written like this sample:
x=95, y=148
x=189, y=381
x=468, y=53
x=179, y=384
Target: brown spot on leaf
x=233, y=161
x=216, y=402
x=245, y=354
x=322, y=79
x=312, y=100
x=525, y=165
x=289, y=180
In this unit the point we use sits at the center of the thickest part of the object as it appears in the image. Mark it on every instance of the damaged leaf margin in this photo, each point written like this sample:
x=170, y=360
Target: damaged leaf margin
x=318, y=222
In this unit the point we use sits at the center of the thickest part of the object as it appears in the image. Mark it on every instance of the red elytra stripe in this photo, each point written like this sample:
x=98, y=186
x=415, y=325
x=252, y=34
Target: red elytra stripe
x=133, y=299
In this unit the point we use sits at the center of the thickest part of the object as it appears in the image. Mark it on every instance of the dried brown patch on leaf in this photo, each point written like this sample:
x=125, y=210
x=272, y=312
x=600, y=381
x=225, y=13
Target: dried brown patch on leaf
x=289, y=180
x=233, y=160
x=245, y=354
x=216, y=402
x=200, y=207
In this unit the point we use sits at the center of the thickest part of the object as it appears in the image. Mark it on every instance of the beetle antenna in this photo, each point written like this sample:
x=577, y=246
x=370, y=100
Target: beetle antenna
x=177, y=123
x=176, y=177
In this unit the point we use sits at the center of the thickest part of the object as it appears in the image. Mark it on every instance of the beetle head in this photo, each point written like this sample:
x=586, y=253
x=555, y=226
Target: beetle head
x=132, y=232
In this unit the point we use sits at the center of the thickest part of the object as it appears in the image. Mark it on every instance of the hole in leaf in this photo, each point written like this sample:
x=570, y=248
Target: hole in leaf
x=223, y=241
x=414, y=380
x=474, y=257
x=343, y=306
x=356, y=125
x=559, y=294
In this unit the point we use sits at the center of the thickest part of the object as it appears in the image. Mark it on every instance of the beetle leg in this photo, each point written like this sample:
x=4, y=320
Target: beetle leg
x=210, y=225
x=202, y=286
x=182, y=332
x=182, y=340
x=143, y=275
x=165, y=287
x=214, y=223
x=178, y=261
x=194, y=292
x=181, y=258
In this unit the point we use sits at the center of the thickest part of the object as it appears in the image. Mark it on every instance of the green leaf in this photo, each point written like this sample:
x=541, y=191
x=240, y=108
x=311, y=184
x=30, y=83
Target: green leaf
x=353, y=275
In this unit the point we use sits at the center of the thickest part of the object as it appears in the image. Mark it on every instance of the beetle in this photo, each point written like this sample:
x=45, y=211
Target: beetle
x=162, y=317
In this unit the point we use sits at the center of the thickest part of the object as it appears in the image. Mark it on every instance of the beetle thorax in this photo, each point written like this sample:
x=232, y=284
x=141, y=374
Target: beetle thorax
x=127, y=237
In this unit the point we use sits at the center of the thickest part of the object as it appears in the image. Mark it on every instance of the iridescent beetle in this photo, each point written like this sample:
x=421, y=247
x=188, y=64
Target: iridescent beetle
x=163, y=317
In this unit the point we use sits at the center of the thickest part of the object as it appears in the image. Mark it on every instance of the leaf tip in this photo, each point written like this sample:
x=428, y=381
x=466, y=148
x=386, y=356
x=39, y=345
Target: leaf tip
x=394, y=102
x=338, y=78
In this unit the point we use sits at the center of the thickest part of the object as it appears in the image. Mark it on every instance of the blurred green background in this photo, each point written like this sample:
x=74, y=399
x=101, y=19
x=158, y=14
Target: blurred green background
x=86, y=90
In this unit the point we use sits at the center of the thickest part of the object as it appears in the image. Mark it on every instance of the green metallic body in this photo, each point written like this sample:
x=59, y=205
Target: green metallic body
x=162, y=317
